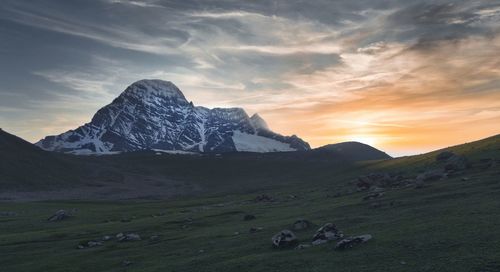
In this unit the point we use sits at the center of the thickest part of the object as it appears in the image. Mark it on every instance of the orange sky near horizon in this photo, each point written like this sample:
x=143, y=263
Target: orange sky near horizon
x=406, y=77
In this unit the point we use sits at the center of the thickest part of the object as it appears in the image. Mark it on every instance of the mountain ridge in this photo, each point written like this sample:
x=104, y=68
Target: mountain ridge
x=154, y=114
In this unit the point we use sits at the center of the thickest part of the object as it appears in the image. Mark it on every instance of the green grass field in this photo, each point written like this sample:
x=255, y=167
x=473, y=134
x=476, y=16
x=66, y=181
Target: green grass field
x=449, y=225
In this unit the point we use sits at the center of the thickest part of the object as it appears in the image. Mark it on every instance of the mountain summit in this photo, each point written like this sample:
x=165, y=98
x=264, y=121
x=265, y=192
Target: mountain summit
x=154, y=114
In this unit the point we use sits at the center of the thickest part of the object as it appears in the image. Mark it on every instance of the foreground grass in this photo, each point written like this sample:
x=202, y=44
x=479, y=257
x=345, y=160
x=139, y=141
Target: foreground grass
x=447, y=226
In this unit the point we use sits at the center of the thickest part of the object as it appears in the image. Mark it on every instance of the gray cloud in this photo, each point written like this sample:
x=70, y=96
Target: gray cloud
x=219, y=52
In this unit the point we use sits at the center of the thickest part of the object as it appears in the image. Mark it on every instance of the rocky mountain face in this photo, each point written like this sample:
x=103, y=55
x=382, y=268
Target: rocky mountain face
x=155, y=115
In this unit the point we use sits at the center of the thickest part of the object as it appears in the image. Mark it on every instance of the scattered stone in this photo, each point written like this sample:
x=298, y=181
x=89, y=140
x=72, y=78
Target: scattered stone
x=302, y=224
x=89, y=244
x=431, y=175
x=236, y=233
x=327, y=232
x=249, y=217
x=127, y=263
x=58, y=216
x=456, y=163
x=465, y=179
x=350, y=242
x=264, y=198
x=303, y=246
x=201, y=251
x=255, y=229
x=373, y=195
x=284, y=239
x=154, y=238
x=419, y=184
x=292, y=196
x=378, y=180
x=106, y=238
x=402, y=262
x=128, y=237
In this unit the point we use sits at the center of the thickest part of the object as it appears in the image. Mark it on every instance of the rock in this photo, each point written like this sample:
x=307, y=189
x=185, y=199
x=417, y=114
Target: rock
x=264, y=198
x=373, y=195
x=106, y=238
x=431, y=175
x=377, y=179
x=419, y=184
x=154, y=238
x=94, y=243
x=236, y=233
x=465, y=179
x=352, y=241
x=249, y=217
x=128, y=237
x=327, y=232
x=303, y=246
x=302, y=224
x=445, y=155
x=375, y=205
x=127, y=263
x=456, y=163
x=89, y=244
x=284, y=239
x=58, y=216
x=255, y=229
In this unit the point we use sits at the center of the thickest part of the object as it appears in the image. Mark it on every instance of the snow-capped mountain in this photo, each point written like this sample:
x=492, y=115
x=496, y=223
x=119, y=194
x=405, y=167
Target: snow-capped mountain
x=154, y=114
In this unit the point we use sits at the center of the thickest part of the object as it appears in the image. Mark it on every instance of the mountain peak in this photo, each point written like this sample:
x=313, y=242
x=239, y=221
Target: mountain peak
x=258, y=122
x=154, y=114
x=155, y=88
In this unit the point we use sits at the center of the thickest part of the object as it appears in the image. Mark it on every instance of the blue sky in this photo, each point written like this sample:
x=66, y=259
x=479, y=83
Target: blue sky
x=388, y=73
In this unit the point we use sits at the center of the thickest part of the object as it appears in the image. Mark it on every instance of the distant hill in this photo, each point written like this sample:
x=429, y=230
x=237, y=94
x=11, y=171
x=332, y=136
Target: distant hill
x=23, y=165
x=353, y=151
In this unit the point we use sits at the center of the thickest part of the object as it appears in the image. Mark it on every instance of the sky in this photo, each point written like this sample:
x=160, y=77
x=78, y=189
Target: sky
x=404, y=76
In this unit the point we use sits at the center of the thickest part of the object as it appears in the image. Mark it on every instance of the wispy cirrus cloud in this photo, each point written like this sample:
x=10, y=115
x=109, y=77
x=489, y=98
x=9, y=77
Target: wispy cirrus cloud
x=391, y=70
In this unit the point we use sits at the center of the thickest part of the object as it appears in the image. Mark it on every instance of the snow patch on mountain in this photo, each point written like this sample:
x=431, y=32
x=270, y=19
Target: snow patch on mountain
x=254, y=143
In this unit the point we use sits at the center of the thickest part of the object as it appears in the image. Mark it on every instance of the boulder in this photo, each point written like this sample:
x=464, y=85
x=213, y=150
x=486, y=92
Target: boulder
x=431, y=175
x=255, y=229
x=301, y=224
x=89, y=244
x=58, y=216
x=373, y=195
x=352, y=241
x=327, y=232
x=284, y=239
x=264, y=198
x=456, y=163
x=128, y=237
x=376, y=179
x=419, y=184
x=303, y=246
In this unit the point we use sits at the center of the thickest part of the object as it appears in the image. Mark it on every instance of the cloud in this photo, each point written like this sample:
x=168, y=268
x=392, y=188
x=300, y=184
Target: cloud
x=393, y=70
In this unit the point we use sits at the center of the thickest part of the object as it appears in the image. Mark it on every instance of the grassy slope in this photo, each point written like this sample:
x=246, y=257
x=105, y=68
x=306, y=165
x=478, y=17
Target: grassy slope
x=447, y=226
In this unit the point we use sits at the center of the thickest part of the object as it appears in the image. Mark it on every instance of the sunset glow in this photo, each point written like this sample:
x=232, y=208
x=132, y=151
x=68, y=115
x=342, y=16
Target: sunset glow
x=406, y=78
